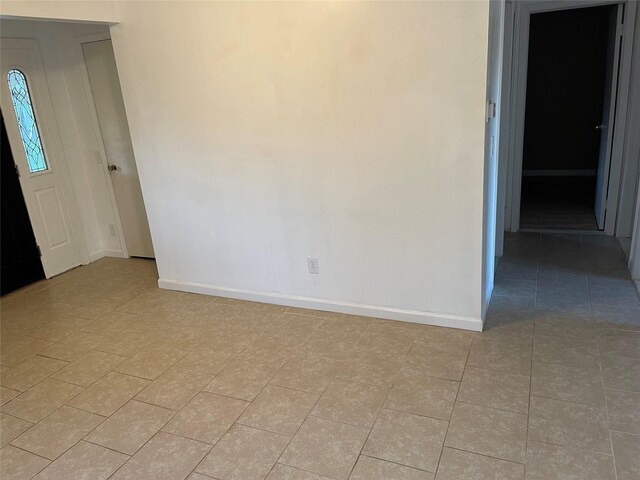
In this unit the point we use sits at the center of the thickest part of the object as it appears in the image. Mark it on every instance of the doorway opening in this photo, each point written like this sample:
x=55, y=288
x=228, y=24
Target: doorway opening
x=113, y=129
x=571, y=85
x=67, y=156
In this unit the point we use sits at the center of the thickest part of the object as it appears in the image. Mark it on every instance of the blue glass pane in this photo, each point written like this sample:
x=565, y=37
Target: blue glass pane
x=26, y=121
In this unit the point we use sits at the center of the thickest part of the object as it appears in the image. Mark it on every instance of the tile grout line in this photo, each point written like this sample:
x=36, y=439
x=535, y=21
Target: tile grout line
x=359, y=454
x=535, y=308
x=160, y=429
x=175, y=412
x=30, y=453
x=249, y=402
x=310, y=414
x=316, y=403
x=296, y=432
x=368, y=455
x=455, y=401
x=604, y=392
x=36, y=424
x=486, y=406
x=485, y=456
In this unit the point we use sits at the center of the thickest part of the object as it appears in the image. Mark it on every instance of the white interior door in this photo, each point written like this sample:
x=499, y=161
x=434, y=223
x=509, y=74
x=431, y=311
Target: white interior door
x=608, y=115
x=105, y=86
x=40, y=170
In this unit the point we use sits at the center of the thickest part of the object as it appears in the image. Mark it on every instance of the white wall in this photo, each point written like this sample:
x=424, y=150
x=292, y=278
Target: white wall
x=267, y=132
x=352, y=131
x=71, y=10
x=59, y=45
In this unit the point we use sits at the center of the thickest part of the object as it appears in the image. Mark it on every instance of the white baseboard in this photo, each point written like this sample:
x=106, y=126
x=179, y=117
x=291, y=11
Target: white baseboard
x=105, y=253
x=427, y=318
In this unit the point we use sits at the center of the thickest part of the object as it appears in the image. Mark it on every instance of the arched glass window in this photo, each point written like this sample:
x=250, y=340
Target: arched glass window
x=26, y=121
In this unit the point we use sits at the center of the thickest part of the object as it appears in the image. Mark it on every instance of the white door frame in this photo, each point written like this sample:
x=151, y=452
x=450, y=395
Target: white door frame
x=517, y=92
x=503, y=137
x=101, y=153
x=634, y=255
x=50, y=138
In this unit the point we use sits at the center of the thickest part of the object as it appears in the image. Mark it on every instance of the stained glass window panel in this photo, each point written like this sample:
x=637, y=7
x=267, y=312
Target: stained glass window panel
x=26, y=121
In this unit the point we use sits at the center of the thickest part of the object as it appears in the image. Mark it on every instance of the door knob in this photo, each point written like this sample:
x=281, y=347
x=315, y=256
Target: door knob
x=600, y=127
x=112, y=168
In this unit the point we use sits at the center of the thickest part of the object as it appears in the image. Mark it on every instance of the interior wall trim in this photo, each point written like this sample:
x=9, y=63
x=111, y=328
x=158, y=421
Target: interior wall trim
x=415, y=316
x=106, y=253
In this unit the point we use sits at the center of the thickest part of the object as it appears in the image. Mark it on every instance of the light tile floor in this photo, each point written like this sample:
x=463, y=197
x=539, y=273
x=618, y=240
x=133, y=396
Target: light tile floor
x=103, y=375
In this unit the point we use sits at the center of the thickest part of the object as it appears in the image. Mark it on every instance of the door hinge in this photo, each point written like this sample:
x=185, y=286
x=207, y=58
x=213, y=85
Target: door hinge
x=17, y=169
x=38, y=250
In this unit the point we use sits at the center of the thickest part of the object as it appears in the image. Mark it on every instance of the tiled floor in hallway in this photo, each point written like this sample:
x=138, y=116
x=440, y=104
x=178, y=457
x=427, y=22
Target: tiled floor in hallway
x=105, y=376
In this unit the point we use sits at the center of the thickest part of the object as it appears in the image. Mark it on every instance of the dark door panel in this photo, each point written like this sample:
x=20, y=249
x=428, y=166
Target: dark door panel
x=19, y=256
x=566, y=77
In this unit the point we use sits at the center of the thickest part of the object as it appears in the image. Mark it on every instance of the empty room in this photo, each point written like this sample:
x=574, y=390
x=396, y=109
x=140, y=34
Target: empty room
x=323, y=240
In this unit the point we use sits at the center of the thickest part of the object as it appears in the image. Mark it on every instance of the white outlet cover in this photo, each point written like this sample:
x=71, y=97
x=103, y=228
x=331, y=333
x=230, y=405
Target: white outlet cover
x=314, y=266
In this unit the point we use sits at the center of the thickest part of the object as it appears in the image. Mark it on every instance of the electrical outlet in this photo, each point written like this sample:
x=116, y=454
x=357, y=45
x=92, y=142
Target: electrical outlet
x=112, y=230
x=312, y=263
